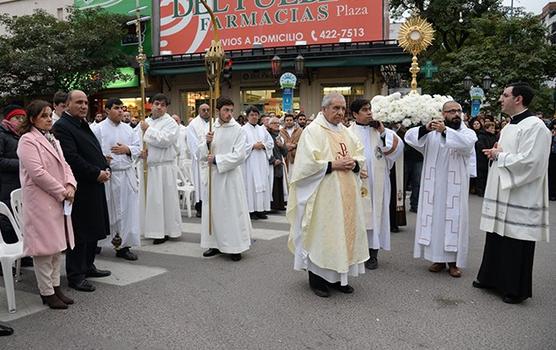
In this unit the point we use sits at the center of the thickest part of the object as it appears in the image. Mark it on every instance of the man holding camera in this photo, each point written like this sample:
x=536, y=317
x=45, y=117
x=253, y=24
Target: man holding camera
x=382, y=148
x=442, y=227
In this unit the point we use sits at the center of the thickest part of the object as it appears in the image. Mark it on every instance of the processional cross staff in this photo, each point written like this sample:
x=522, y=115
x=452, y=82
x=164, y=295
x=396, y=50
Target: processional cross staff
x=214, y=60
x=141, y=58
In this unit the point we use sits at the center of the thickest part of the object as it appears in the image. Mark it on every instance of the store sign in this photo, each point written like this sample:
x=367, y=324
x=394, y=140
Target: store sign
x=131, y=81
x=288, y=80
x=129, y=42
x=185, y=25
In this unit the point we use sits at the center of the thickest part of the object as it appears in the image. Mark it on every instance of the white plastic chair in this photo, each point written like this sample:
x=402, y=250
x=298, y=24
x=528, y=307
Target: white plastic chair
x=187, y=172
x=184, y=191
x=9, y=253
x=17, y=209
x=17, y=206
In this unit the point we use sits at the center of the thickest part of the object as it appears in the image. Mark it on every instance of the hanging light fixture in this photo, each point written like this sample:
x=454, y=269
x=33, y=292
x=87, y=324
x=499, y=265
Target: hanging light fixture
x=276, y=66
x=299, y=65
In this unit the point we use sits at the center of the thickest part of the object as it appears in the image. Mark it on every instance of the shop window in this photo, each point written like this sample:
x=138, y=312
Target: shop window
x=350, y=92
x=267, y=100
x=191, y=100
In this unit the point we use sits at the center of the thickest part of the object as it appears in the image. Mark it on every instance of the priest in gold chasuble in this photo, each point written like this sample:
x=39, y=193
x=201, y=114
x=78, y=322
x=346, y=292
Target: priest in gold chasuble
x=325, y=210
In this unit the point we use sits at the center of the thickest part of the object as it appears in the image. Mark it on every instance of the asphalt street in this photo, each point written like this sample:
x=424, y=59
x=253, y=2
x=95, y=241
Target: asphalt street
x=172, y=298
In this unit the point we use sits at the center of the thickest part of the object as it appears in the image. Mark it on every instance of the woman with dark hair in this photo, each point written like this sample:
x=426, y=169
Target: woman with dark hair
x=476, y=125
x=48, y=189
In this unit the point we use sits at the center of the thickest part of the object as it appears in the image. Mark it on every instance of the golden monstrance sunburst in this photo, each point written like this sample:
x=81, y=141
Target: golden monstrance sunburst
x=415, y=35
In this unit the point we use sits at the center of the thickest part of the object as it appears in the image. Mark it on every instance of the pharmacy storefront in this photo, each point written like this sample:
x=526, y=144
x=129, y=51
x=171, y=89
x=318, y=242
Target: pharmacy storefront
x=330, y=45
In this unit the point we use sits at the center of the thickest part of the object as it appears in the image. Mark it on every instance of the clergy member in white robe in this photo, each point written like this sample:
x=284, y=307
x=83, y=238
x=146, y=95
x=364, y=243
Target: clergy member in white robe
x=258, y=150
x=382, y=148
x=515, y=207
x=162, y=209
x=442, y=227
x=121, y=145
x=325, y=210
x=196, y=131
x=230, y=227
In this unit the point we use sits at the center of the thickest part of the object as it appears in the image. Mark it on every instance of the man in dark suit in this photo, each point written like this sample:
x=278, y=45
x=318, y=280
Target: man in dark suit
x=90, y=212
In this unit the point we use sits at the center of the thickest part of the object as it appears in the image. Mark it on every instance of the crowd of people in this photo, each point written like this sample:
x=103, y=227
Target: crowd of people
x=334, y=175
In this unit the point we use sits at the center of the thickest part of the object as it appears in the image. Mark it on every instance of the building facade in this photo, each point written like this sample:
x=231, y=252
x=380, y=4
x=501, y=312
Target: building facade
x=343, y=45
x=548, y=18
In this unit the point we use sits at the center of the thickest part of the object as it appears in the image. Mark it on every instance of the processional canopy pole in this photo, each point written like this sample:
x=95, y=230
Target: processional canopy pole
x=415, y=35
x=214, y=61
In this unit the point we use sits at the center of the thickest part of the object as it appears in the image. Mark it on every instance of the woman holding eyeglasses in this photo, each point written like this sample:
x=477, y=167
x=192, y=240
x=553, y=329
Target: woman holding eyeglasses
x=9, y=163
x=48, y=188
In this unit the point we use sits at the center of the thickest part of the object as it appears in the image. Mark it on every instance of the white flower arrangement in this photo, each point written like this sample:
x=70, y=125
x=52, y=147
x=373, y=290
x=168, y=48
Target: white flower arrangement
x=412, y=109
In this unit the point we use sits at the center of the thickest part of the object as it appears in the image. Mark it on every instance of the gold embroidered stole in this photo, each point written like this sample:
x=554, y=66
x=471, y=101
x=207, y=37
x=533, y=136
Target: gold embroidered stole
x=339, y=149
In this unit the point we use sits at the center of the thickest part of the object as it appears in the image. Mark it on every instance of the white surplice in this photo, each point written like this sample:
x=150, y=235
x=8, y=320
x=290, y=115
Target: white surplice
x=256, y=170
x=442, y=227
x=516, y=197
x=162, y=209
x=381, y=152
x=196, y=131
x=122, y=190
x=230, y=226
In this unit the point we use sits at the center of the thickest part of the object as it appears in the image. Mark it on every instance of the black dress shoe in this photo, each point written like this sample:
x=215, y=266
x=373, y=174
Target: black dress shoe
x=479, y=285
x=5, y=331
x=395, y=229
x=198, y=214
x=235, y=257
x=27, y=262
x=253, y=216
x=211, y=252
x=94, y=272
x=413, y=210
x=347, y=289
x=127, y=254
x=372, y=263
x=82, y=286
x=508, y=299
x=318, y=285
x=160, y=240
x=261, y=215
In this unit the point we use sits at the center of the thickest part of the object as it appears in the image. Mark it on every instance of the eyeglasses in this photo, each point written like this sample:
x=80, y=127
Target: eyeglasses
x=451, y=111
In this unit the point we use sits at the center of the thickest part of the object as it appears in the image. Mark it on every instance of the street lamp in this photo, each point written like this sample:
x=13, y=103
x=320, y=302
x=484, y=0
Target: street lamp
x=467, y=83
x=299, y=65
x=276, y=66
x=487, y=82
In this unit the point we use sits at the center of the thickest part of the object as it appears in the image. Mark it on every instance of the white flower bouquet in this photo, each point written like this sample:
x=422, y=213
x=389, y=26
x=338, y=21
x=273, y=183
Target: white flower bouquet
x=410, y=110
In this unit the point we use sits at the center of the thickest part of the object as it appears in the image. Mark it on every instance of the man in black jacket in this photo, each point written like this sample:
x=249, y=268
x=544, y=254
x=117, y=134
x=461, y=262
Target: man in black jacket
x=90, y=212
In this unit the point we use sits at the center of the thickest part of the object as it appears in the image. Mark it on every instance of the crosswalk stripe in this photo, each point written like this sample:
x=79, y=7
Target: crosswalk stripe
x=25, y=303
x=172, y=247
x=258, y=233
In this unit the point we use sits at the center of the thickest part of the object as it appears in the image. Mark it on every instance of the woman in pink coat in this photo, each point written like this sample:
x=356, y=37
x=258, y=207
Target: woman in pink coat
x=47, y=183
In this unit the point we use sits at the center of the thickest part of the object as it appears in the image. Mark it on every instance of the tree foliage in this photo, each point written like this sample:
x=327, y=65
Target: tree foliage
x=487, y=42
x=40, y=54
